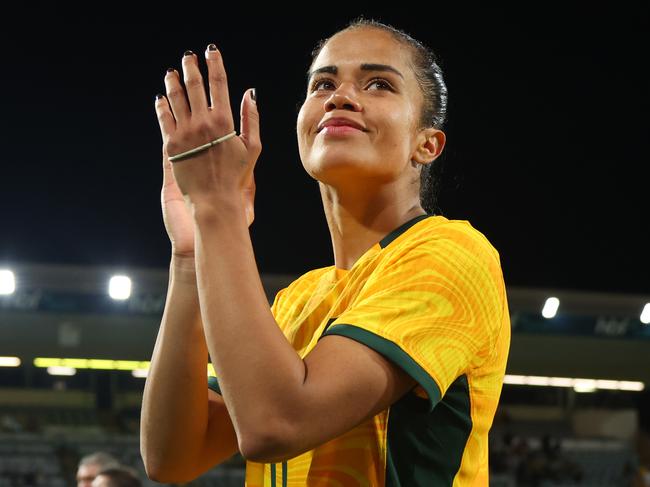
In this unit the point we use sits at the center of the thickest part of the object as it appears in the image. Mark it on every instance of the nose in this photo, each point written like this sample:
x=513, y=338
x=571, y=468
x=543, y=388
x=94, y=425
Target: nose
x=344, y=98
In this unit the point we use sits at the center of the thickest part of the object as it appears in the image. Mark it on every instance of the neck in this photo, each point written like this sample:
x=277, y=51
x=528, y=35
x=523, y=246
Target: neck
x=358, y=218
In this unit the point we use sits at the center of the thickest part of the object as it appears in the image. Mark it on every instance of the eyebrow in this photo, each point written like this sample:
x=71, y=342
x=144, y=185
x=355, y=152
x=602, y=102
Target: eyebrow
x=364, y=67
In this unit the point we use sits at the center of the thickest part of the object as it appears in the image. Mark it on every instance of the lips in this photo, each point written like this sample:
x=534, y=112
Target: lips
x=341, y=121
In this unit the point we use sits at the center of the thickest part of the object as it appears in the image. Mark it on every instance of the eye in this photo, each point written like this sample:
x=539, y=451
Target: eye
x=318, y=82
x=381, y=82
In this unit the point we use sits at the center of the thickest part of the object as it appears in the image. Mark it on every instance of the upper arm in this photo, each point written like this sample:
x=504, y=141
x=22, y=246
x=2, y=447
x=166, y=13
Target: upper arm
x=220, y=440
x=346, y=383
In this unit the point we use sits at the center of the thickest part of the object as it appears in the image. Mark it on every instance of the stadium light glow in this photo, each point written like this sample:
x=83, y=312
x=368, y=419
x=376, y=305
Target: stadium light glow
x=7, y=281
x=584, y=385
x=119, y=287
x=645, y=314
x=84, y=363
x=626, y=385
x=579, y=385
x=9, y=362
x=61, y=371
x=550, y=307
x=136, y=367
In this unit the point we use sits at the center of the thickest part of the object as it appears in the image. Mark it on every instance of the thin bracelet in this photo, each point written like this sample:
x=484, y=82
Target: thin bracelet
x=186, y=154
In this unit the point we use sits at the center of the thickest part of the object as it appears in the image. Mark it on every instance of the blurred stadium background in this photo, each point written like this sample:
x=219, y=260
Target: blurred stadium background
x=571, y=410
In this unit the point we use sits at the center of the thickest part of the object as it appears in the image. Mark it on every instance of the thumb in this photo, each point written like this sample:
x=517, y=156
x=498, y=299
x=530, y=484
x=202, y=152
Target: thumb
x=250, y=123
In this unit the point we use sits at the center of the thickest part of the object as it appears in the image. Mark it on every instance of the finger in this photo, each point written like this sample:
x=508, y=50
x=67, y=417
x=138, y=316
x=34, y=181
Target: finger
x=165, y=118
x=194, y=83
x=176, y=96
x=218, y=81
x=250, y=122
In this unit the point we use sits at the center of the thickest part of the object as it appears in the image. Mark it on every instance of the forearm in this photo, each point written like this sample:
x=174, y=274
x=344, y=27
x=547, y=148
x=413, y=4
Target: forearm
x=259, y=371
x=175, y=406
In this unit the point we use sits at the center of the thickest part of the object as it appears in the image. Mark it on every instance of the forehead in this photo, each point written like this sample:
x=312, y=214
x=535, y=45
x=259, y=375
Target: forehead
x=101, y=481
x=88, y=469
x=350, y=49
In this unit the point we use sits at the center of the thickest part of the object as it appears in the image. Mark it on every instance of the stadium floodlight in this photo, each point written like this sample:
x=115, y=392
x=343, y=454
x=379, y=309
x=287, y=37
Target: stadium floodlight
x=579, y=385
x=7, y=281
x=645, y=314
x=61, y=371
x=119, y=287
x=550, y=307
x=560, y=382
x=9, y=362
x=585, y=385
x=627, y=385
x=138, y=368
x=536, y=380
x=608, y=384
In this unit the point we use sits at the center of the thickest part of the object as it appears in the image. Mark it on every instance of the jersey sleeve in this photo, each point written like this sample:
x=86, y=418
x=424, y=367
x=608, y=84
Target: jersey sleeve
x=434, y=309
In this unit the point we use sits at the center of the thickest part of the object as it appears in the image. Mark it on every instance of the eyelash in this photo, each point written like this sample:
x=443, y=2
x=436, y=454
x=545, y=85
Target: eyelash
x=317, y=82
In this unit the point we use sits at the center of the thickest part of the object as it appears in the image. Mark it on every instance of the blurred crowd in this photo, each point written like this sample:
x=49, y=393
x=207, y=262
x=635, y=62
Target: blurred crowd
x=533, y=466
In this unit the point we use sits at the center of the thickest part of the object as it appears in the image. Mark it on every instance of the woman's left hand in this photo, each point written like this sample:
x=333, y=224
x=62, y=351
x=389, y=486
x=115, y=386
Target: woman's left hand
x=222, y=174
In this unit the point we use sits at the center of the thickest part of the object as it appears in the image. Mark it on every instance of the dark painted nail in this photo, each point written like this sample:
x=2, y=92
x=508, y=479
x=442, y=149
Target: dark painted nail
x=188, y=53
x=254, y=95
x=170, y=70
x=212, y=47
x=158, y=96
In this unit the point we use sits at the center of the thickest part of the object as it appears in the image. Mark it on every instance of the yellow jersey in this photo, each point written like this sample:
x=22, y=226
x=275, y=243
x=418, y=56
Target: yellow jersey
x=430, y=297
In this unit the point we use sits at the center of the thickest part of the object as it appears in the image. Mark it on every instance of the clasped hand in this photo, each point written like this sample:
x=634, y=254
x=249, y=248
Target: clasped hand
x=222, y=174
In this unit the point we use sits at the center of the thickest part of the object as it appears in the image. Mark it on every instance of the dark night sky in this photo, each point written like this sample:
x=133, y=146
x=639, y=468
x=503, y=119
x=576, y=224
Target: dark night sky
x=547, y=149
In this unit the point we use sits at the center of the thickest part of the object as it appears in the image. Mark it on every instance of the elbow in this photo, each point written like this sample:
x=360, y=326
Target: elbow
x=162, y=471
x=153, y=467
x=165, y=476
x=266, y=446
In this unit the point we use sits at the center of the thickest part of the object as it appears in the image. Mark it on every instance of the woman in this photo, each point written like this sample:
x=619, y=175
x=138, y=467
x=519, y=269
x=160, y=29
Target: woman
x=382, y=369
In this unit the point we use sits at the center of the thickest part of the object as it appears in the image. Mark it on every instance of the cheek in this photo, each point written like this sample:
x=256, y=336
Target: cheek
x=302, y=123
x=396, y=128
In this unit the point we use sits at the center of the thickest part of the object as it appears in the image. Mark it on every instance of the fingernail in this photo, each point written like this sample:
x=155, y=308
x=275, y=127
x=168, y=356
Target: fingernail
x=170, y=70
x=212, y=47
x=188, y=53
x=254, y=95
x=158, y=96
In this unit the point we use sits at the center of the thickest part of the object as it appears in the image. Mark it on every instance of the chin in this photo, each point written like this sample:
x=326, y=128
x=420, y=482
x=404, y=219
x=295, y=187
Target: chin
x=335, y=165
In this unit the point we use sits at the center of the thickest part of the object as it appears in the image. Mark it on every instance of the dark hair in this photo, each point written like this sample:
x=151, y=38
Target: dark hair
x=99, y=458
x=121, y=476
x=427, y=71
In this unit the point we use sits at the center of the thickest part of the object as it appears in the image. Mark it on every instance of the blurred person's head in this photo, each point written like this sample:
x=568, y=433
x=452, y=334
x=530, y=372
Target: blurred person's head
x=121, y=476
x=90, y=465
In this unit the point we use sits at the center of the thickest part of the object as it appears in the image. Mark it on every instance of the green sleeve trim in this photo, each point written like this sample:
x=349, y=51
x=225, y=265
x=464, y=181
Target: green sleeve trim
x=393, y=352
x=213, y=384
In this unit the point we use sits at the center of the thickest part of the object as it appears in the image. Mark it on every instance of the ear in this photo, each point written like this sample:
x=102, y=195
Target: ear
x=431, y=142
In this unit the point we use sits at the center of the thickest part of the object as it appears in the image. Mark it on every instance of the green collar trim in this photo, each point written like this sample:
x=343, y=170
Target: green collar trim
x=384, y=242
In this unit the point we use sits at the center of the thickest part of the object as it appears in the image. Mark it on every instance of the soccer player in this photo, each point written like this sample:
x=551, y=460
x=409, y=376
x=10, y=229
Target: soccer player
x=383, y=369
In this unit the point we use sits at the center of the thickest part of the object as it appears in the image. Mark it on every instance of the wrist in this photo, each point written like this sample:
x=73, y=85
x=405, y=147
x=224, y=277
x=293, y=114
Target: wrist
x=226, y=209
x=183, y=268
